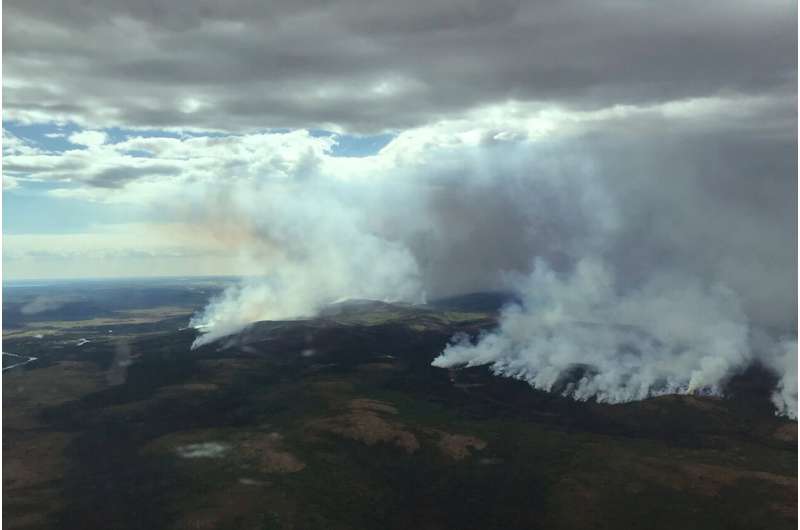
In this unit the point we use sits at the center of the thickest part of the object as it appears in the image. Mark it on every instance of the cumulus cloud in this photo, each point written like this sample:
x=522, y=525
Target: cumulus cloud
x=14, y=145
x=88, y=138
x=150, y=162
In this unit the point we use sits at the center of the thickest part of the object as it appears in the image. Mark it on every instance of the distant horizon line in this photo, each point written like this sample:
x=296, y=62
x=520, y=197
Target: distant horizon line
x=124, y=278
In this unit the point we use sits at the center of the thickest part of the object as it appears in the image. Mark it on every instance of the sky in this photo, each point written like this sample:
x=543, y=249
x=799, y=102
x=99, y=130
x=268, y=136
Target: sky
x=627, y=163
x=110, y=106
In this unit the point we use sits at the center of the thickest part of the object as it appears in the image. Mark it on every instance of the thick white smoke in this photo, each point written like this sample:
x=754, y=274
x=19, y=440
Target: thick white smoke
x=313, y=250
x=784, y=362
x=644, y=267
x=670, y=335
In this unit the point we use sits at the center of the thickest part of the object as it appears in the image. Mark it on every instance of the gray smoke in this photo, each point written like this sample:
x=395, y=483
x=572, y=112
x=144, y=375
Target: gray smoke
x=41, y=304
x=647, y=249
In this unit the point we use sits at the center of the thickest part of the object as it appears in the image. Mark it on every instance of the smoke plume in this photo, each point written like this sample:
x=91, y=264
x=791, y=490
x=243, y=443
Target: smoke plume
x=784, y=361
x=671, y=335
x=315, y=251
x=648, y=248
x=42, y=304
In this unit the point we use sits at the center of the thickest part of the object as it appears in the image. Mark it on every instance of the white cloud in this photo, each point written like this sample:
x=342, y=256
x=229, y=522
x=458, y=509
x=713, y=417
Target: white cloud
x=9, y=183
x=118, y=172
x=88, y=138
x=14, y=145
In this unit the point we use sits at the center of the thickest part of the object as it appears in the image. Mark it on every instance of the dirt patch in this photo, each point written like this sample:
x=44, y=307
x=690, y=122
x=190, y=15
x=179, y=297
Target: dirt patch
x=372, y=405
x=459, y=446
x=264, y=451
x=189, y=388
x=364, y=422
x=268, y=453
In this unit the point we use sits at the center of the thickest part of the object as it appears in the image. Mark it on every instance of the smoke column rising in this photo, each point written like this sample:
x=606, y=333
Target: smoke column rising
x=314, y=251
x=645, y=258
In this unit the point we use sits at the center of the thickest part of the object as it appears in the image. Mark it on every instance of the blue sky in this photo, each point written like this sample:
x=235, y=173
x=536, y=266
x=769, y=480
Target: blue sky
x=29, y=209
x=44, y=216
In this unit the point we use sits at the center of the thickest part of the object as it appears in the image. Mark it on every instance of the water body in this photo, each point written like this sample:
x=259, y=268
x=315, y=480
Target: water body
x=23, y=360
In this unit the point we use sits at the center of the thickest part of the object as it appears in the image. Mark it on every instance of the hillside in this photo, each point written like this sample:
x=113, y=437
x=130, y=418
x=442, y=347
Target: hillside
x=341, y=422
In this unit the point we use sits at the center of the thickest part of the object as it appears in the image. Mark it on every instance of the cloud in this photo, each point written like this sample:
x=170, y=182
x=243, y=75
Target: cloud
x=14, y=145
x=9, y=183
x=88, y=138
x=366, y=66
x=155, y=161
x=206, y=158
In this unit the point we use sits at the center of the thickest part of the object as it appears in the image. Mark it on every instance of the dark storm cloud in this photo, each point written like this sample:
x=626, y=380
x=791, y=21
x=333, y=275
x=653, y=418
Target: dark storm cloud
x=368, y=66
